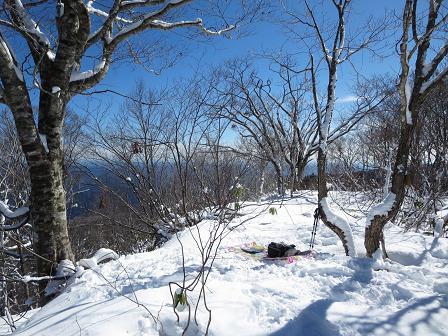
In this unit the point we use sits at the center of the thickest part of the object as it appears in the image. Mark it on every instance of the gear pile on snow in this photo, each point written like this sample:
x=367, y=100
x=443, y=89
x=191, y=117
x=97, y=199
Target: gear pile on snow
x=281, y=250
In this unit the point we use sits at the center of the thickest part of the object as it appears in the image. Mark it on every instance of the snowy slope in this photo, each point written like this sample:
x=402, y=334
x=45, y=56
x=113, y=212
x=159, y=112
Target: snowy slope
x=327, y=295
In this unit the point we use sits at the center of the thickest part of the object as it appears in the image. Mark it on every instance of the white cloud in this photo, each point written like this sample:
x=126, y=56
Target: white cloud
x=347, y=99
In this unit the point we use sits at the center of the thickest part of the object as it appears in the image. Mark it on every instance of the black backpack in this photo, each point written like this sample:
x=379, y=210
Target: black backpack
x=279, y=250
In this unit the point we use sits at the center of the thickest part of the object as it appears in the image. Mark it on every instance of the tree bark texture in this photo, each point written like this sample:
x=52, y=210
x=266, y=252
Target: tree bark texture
x=323, y=193
x=413, y=89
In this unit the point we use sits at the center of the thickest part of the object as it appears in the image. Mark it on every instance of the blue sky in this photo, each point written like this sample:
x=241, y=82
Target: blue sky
x=268, y=36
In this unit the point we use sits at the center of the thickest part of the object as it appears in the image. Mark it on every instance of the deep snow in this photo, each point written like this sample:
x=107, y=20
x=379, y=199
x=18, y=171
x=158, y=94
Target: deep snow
x=330, y=294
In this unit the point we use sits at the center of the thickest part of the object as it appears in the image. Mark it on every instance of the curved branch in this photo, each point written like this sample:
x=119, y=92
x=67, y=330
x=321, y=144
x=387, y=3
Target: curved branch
x=86, y=80
x=25, y=23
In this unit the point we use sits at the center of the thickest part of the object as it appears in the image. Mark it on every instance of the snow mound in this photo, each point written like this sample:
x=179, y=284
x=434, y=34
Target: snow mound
x=101, y=255
x=329, y=294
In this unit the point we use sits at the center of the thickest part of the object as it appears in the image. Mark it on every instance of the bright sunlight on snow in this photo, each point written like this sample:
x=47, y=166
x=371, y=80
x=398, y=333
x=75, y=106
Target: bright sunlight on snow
x=325, y=293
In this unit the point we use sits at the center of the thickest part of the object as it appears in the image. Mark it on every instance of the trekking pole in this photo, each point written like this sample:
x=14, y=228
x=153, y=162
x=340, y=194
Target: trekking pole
x=313, y=233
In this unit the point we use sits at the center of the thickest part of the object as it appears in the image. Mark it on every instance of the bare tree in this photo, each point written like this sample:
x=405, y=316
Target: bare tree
x=15, y=233
x=430, y=159
x=164, y=163
x=422, y=70
x=377, y=142
x=169, y=154
x=334, y=50
x=58, y=47
x=271, y=115
x=361, y=162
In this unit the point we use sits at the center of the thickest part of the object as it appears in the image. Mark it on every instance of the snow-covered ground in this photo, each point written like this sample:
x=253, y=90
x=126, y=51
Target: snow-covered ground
x=330, y=294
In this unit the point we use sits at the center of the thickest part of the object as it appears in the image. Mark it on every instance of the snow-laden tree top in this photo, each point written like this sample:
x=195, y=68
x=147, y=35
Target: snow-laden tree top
x=66, y=36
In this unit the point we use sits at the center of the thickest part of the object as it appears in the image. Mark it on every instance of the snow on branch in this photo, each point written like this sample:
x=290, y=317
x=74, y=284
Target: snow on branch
x=134, y=3
x=408, y=92
x=341, y=223
x=427, y=85
x=428, y=33
x=29, y=25
x=4, y=209
x=29, y=278
x=160, y=24
x=106, y=28
x=215, y=32
x=101, y=13
x=82, y=76
x=137, y=2
x=381, y=209
x=112, y=35
x=8, y=56
x=15, y=226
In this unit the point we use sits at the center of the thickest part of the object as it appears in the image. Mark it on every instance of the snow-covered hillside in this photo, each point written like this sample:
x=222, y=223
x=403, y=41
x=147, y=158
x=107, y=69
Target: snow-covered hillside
x=329, y=294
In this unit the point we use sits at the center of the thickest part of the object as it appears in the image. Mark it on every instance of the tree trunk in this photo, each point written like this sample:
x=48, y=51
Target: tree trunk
x=262, y=180
x=322, y=192
x=412, y=94
x=301, y=165
x=49, y=216
x=292, y=176
x=48, y=202
x=280, y=186
x=44, y=155
x=297, y=172
x=374, y=230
